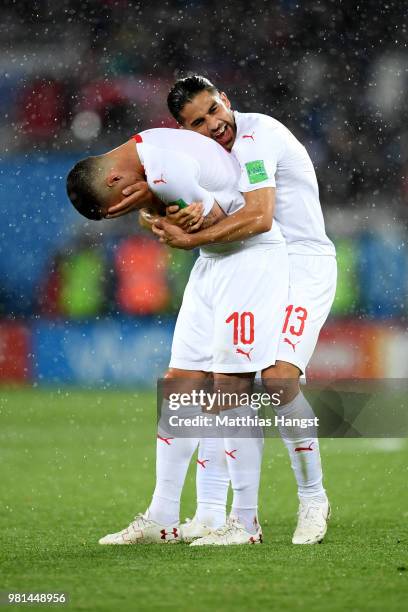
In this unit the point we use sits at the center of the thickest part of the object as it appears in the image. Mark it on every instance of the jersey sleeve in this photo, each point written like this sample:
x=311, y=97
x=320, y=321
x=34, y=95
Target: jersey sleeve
x=258, y=153
x=177, y=180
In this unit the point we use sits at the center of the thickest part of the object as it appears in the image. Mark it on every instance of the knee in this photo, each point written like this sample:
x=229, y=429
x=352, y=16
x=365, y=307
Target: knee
x=184, y=381
x=282, y=370
x=173, y=373
x=282, y=378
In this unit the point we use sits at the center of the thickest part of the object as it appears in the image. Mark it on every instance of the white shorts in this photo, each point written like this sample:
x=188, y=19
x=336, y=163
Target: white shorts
x=312, y=287
x=232, y=313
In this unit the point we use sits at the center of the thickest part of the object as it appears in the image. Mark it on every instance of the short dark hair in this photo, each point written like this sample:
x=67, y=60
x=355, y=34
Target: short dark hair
x=82, y=191
x=184, y=90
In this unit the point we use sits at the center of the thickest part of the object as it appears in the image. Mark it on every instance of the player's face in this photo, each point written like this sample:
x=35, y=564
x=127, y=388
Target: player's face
x=210, y=114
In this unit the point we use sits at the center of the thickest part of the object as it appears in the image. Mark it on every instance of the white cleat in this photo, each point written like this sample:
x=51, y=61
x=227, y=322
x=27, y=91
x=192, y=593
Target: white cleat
x=230, y=533
x=144, y=531
x=193, y=529
x=312, y=522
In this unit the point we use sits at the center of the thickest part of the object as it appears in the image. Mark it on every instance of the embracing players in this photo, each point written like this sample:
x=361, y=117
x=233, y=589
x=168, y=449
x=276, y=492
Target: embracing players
x=247, y=275
x=270, y=158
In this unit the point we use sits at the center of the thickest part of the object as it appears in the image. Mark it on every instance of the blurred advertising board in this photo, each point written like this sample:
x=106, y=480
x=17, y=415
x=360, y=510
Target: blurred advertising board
x=136, y=351
x=351, y=349
x=15, y=349
x=102, y=353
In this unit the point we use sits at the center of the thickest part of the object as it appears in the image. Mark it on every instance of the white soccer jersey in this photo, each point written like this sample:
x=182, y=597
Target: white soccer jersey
x=269, y=155
x=182, y=166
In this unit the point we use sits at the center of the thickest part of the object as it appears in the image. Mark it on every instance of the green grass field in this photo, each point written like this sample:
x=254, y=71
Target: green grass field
x=76, y=465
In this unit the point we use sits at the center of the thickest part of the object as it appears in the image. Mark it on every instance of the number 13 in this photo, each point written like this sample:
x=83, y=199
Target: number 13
x=301, y=318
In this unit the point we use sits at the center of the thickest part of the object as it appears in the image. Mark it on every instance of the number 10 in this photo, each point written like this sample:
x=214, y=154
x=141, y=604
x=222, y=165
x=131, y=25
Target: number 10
x=243, y=327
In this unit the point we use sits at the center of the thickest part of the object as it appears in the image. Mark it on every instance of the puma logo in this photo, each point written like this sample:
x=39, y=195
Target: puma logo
x=160, y=180
x=251, y=136
x=240, y=351
x=298, y=449
x=166, y=440
x=292, y=344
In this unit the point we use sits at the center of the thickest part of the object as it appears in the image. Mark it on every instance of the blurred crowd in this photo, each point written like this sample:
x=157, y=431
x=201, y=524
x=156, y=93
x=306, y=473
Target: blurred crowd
x=83, y=75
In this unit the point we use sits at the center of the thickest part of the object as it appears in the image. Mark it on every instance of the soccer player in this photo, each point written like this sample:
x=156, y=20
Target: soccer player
x=245, y=279
x=269, y=156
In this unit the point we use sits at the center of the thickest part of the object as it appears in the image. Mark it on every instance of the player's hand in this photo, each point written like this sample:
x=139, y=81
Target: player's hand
x=172, y=235
x=137, y=195
x=147, y=217
x=189, y=218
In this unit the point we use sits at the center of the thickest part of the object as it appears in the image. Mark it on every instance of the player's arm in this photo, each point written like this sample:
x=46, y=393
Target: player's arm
x=254, y=218
x=215, y=215
x=258, y=160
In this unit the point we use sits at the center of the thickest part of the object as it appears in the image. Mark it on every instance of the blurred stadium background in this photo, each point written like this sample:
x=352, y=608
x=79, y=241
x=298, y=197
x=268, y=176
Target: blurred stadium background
x=93, y=304
x=87, y=309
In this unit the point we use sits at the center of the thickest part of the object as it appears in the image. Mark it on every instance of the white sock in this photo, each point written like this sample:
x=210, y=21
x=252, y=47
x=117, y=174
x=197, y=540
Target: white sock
x=173, y=457
x=244, y=458
x=303, y=449
x=212, y=480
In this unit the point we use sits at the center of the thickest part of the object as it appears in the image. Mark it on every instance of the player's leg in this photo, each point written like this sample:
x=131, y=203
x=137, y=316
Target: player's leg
x=312, y=289
x=303, y=449
x=173, y=453
x=190, y=361
x=212, y=484
x=248, y=321
x=189, y=365
x=161, y=522
x=243, y=446
x=244, y=454
x=212, y=481
x=302, y=445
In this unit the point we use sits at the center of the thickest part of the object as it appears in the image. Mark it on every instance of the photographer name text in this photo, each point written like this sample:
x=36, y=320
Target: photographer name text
x=241, y=421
